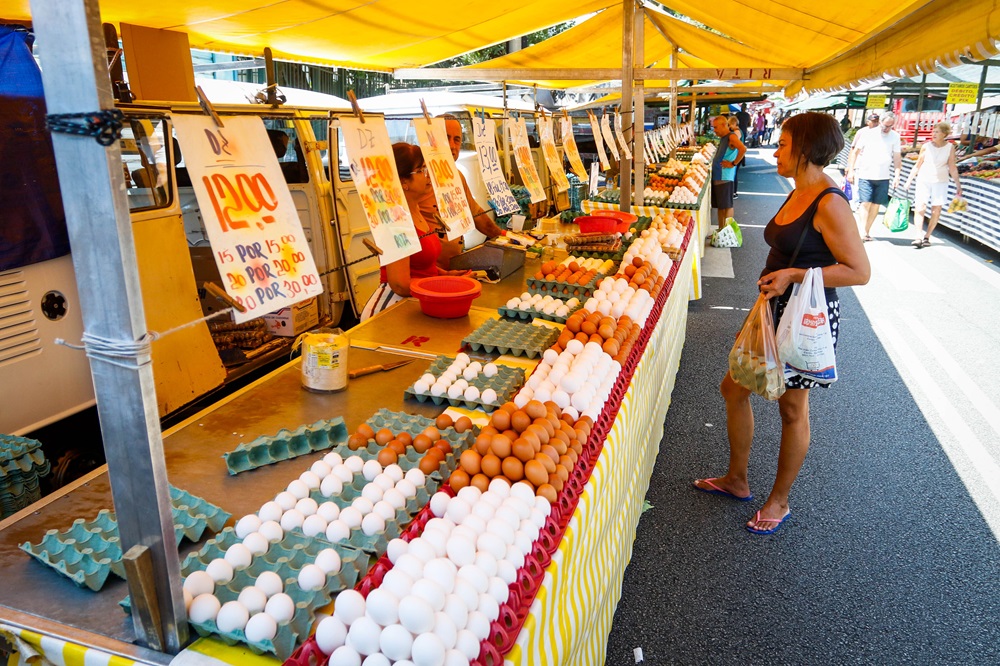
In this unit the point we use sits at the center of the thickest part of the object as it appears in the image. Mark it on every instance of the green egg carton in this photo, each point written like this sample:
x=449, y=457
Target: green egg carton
x=89, y=551
x=285, y=445
x=506, y=383
x=560, y=289
x=414, y=424
x=506, y=337
x=532, y=313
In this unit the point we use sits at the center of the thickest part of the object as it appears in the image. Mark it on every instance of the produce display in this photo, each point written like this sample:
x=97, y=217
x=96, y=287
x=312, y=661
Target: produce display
x=671, y=184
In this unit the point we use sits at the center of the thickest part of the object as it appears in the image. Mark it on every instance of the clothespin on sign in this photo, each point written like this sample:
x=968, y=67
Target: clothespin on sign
x=371, y=246
x=207, y=107
x=427, y=115
x=440, y=220
x=352, y=98
x=219, y=293
x=482, y=114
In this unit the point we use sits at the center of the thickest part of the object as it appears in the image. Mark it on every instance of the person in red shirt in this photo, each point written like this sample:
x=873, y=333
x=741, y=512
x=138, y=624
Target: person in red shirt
x=395, y=277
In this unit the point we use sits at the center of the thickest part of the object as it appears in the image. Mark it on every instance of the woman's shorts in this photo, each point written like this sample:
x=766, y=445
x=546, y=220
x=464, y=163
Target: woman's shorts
x=833, y=312
x=936, y=193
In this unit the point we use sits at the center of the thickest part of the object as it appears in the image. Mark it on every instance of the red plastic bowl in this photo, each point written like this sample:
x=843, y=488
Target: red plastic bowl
x=445, y=296
x=597, y=224
x=625, y=220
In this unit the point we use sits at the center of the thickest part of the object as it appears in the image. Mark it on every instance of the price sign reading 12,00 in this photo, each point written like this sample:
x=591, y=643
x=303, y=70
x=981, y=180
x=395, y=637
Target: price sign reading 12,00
x=255, y=232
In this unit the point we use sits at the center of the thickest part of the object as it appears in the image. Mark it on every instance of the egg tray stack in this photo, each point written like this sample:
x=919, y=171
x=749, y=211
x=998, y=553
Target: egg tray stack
x=506, y=383
x=532, y=313
x=89, y=551
x=22, y=466
x=285, y=558
x=558, y=289
x=415, y=424
x=286, y=444
x=506, y=337
x=639, y=226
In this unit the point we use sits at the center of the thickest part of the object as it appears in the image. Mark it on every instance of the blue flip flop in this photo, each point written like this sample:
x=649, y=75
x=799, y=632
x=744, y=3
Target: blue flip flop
x=716, y=490
x=777, y=522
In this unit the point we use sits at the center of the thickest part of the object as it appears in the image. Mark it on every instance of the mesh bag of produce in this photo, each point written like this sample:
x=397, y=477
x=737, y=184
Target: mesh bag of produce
x=753, y=361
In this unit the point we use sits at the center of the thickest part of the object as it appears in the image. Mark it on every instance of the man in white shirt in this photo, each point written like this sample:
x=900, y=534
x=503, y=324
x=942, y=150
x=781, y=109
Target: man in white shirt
x=875, y=150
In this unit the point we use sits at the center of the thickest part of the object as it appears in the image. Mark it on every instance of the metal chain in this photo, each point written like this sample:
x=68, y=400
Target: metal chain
x=104, y=126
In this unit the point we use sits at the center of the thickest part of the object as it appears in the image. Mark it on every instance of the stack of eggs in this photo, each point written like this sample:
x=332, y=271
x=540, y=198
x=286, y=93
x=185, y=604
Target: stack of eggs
x=618, y=297
x=668, y=230
x=549, y=305
x=436, y=604
x=261, y=607
x=386, y=491
x=454, y=382
x=647, y=247
x=616, y=336
x=602, y=266
x=683, y=195
x=578, y=380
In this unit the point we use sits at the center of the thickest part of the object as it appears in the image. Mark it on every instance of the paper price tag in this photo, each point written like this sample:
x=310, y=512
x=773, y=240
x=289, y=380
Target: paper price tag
x=571, y=149
x=254, y=230
x=621, y=136
x=522, y=156
x=609, y=138
x=598, y=141
x=449, y=191
x=485, y=137
x=551, y=155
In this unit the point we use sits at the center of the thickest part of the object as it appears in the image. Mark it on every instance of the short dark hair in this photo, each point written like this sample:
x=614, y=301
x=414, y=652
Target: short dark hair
x=408, y=158
x=816, y=137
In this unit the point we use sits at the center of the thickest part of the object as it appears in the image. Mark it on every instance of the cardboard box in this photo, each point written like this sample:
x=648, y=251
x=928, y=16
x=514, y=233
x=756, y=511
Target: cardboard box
x=289, y=322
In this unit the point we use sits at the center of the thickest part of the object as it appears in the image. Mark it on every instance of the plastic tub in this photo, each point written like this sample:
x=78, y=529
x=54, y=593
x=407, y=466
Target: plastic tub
x=598, y=224
x=625, y=220
x=445, y=296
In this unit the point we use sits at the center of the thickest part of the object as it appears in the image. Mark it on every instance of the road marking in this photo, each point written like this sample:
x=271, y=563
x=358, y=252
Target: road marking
x=975, y=466
x=762, y=194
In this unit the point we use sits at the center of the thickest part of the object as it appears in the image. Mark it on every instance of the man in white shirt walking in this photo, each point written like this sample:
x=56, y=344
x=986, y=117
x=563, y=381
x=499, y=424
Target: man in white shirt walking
x=875, y=149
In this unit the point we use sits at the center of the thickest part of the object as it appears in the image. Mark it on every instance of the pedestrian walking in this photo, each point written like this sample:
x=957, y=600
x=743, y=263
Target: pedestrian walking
x=934, y=165
x=875, y=150
x=817, y=219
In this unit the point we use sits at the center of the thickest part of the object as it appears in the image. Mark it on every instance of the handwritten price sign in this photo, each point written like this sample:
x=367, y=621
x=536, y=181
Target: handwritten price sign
x=608, y=135
x=252, y=225
x=522, y=156
x=621, y=136
x=570, y=148
x=374, y=171
x=595, y=128
x=484, y=133
x=551, y=155
x=453, y=207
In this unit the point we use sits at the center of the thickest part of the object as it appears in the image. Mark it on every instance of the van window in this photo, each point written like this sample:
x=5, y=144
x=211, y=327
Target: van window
x=145, y=163
x=285, y=143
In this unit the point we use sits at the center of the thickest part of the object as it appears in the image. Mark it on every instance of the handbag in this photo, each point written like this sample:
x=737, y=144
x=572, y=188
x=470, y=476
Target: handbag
x=848, y=190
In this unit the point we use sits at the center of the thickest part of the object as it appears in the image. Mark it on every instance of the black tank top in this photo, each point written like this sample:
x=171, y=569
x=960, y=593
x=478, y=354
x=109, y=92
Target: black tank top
x=782, y=238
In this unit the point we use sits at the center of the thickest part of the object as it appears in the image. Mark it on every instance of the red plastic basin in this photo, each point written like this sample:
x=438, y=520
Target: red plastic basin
x=597, y=224
x=625, y=220
x=445, y=296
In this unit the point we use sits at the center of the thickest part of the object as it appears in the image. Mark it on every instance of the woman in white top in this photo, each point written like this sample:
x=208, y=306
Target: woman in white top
x=935, y=164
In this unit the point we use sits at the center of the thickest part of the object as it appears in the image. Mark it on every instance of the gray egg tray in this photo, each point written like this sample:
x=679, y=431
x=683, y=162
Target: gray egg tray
x=508, y=337
x=507, y=382
x=22, y=465
x=286, y=444
x=532, y=313
x=89, y=551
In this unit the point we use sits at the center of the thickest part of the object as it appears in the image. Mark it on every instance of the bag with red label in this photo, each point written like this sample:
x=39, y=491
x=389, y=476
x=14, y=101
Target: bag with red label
x=805, y=340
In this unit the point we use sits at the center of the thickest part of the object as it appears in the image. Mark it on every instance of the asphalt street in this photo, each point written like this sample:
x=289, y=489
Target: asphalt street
x=891, y=555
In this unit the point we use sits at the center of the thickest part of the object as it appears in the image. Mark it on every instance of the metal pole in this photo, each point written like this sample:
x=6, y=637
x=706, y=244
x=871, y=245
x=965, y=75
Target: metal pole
x=920, y=107
x=694, y=110
x=506, y=138
x=639, y=115
x=673, y=89
x=628, y=59
x=75, y=75
x=982, y=87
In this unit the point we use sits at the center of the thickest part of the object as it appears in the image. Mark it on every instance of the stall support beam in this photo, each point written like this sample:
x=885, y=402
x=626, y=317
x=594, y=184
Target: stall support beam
x=673, y=90
x=982, y=87
x=75, y=76
x=628, y=63
x=639, y=112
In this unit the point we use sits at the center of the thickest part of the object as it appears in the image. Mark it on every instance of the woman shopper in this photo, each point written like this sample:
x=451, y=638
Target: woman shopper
x=817, y=212
x=934, y=165
x=394, y=278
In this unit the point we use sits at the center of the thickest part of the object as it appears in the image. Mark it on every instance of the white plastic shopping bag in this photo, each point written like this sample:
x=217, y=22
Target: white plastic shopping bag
x=805, y=339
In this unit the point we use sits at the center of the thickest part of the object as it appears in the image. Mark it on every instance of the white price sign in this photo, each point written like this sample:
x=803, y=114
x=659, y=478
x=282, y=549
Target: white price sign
x=449, y=191
x=621, y=136
x=522, y=156
x=248, y=212
x=570, y=148
x=608, y=136
x=484, y=133
x=551, y=155
x=595, y=128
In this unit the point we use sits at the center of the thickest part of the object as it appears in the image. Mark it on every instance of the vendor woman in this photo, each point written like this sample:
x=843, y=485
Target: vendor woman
x=394, y=282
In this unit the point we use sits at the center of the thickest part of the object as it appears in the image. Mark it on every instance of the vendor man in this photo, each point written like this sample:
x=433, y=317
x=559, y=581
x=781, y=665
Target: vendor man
x=480, y=216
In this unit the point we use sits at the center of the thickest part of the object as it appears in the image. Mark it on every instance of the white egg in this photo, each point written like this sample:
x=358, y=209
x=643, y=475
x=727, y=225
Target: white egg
x=257, y=543
x=292, y=520
x=416, y=614
x=394, y=472
x=561, y=398
x=416, y=477
x=363, y=505
x=371, y=469
x=499, y=590
x=311, y=479
x=395, y=548
x=487, y=562
x=475, y=577
x=385, y=510
x=204, y=607
x=422, y=550
x=280, y=607
x=467, y=644
x=383, y=482
x=349, y=606
x=408, y=488
x=411, y=565
x=470, y=373
x=439, y=389
x=396, y=642
x=499, y=488
x=248, y=524
x=261, y=627
x=338, y=531
x=467, y=593
x=239, y=556
x=489, y=396
x=330, y=634
x=299, y=489
x=332, y=484
x=514, y=557
x=232, y=616
x=306, y=506
x=269, y=583
x=312, y=577
x=483, y=510
x=200, y=582
x=421, y=387
x=492, y=544
x=429, y=591
x=471, y=394
x=397, y=583
x=382, y=606
x=355, y=463
x=351, y=516
x=489, y=606
x=269, y=511
x=363, y=635
x=372, y=492
x=455, y=391
x=271, y=531
x=501, y=529
x=286, y=500
x=428, y=650
x=253, y=598
x=220, y=570
x=438, y=540
x=345, y=655
x=328, y=511
x=513, y=303
x=479, y=625
x=373, y=524
x=378, y=659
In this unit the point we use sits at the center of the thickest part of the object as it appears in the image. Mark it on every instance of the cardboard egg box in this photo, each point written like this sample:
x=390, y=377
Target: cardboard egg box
x=506, y=383
x=532, y=313
x=506, y=337
x=286, y=444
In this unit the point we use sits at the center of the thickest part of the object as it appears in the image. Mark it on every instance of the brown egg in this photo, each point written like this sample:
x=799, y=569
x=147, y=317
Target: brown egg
x=550, y=452
x=567, y=419
x=562, y=473
x=545, y=423
x=471, y=462
x=519, y=421
x=582, y=337
x=488, y=430
x=576, y=447
x=513, y=468
x=556, y=482
x=405, y=438
x=535, y=472
x=573, y=455
x=558, y=443
x=546, y=462
x=573, y=324
x=629, y=271
x=366, y=431
x=606, y=332
x=443, y=421
x=397, y=447
x=540, y=432
x=387, y=457
x=637, y=262
x=500, y=446
x=531, y=438
x=567, y=428
x=384, y=436
x=500, y=420
x=421, y=443
x=444, y=445
x=429, y=464
x=357, y=441
x=481, y=481
x=490, y=465
x=534, y=409
x=563, y=338
x=567, y=462
x=548, y=492
x=588, y=327
x=458, y=479
x=523, y=450
x=432, y=432
x=611, y=347
x=463, y=423
x=482, y=444
x=509, y=407
x=551, y=409
x=510, y=434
